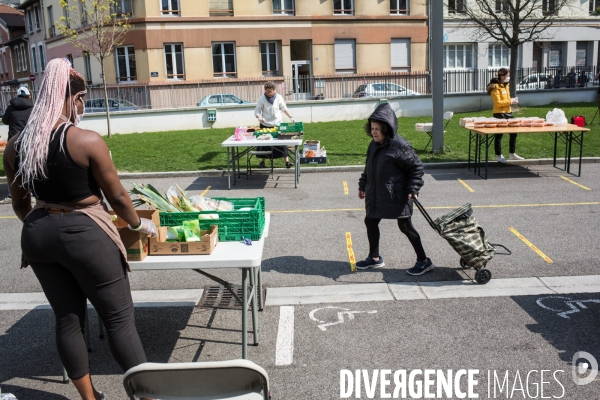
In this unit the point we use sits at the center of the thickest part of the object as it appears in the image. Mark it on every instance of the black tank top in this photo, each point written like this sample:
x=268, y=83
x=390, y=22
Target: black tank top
x=66, y=182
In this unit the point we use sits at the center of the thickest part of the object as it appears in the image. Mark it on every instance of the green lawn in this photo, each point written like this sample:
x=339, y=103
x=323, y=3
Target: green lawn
x=345, y=141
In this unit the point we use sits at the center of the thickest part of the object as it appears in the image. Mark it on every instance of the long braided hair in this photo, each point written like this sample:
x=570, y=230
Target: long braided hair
x=60, y=81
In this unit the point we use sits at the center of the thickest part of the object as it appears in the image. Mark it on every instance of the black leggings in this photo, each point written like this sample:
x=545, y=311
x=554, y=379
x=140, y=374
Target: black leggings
x=75, y=260
x=512, y=141
x=405, y=226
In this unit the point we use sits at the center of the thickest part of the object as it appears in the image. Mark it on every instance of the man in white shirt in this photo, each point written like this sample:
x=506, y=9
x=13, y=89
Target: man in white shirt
x=268, y=111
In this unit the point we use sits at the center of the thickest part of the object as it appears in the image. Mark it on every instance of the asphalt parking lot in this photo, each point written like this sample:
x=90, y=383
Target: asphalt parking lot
x=548, y=222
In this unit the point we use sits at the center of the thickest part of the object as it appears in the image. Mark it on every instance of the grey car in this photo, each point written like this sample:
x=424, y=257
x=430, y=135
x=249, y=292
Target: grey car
x=221, y=100
x=99, y=105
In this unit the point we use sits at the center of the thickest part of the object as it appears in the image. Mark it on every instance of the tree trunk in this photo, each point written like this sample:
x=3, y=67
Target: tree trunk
x=105, y=98
x=514, y=53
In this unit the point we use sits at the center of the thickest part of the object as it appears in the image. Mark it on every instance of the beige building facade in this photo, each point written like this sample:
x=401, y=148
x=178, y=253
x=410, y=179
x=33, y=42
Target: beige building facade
x=198, y=40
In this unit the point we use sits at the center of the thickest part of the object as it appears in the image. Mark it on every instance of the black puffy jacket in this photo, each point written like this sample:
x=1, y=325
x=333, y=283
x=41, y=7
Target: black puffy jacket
x=392, y=171
x=17, y=114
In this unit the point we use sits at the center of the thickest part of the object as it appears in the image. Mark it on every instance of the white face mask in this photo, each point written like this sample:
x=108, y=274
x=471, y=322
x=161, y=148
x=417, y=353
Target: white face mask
x=506, y=79
x=79, y=117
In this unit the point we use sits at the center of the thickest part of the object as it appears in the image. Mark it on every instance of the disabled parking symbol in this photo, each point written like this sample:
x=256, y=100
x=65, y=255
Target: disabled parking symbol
x=343, y=313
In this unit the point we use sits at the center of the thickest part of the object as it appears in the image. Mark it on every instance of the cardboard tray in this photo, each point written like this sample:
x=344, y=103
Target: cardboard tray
x=208, y=241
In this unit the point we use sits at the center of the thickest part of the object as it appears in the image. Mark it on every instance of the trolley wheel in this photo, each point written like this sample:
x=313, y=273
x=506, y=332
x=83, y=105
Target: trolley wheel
x=464, y=264
x=483, y=276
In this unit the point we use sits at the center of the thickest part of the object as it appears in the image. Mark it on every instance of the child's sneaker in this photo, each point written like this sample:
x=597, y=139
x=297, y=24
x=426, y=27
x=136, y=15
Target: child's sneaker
x=369, y=262
x=421, y=267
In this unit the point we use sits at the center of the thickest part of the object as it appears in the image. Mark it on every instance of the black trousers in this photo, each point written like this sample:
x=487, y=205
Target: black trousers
x=74, y=260
x=512, y=141
x=277, y=151
x=406, y=227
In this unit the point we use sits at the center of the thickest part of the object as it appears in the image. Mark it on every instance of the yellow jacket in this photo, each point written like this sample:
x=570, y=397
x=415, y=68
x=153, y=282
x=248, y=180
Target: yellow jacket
x=500, y=96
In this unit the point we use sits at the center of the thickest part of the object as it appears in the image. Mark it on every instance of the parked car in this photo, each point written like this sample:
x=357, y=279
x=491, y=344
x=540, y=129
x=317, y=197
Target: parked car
x=382, y=89
x=534, y=81
x=221, y=100
x=99, y=105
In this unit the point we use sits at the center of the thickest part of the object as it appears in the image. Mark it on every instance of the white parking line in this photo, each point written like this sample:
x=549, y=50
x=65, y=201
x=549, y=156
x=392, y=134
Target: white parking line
x=284, y=350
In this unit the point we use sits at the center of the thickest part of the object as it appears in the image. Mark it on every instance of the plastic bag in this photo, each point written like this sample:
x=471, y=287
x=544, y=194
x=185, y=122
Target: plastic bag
x=557, y=116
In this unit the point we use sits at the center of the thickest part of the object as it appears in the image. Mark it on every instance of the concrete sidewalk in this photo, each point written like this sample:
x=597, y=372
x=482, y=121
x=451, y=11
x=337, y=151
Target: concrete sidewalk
x=358, y=292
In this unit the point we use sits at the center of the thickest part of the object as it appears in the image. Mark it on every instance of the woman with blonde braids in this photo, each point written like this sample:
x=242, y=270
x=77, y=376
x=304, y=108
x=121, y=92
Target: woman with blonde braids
x=68, y=237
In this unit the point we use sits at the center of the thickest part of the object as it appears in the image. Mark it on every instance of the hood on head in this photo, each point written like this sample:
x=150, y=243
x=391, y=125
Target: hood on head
x=21, y=102
x=384, y=113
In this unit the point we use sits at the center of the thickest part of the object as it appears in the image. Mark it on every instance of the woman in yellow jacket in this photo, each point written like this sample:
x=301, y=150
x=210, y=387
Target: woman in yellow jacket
x=498, y=88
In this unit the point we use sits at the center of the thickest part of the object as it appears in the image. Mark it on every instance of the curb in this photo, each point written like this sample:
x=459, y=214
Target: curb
x=346, y=168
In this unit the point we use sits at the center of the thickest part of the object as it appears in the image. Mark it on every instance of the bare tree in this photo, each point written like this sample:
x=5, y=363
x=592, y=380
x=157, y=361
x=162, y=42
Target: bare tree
x=96, y=27
x=511, y=22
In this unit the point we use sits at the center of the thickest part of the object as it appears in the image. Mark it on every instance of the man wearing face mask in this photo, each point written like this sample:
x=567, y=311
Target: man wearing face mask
x=268, y=111
x=498, y=88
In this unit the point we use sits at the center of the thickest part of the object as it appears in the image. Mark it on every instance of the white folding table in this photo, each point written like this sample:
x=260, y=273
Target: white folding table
x=233, y=153
x=224, y=255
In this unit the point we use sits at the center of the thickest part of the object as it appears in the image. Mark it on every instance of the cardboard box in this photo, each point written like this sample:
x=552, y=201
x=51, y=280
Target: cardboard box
x=160, y=247
x=424, y=127
x=136, y=243
x=314, y=145
x=313, y=160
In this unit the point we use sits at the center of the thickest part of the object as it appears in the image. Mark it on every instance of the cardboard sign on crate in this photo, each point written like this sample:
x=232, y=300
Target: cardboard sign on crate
x=160, y=247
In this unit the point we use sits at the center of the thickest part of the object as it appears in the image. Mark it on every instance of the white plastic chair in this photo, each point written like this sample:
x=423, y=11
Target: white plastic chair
x=447, y=116
x=233, y=379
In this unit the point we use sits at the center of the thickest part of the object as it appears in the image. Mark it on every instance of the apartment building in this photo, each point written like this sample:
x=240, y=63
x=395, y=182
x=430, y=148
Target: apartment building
x=36, y=33
x=572, y=40
x=13, y=58
x=192, y=40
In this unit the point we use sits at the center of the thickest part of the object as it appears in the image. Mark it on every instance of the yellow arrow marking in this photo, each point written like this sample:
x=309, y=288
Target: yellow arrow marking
x=205, y=190
x=345, y=187
x=350, y=252
x=528, y=243
x=465, y=185
x=575, y=183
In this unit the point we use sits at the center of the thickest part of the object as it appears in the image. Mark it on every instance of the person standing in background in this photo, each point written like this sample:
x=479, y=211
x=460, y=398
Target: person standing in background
x=268, y=111
x=498, y=88
x=16, y=117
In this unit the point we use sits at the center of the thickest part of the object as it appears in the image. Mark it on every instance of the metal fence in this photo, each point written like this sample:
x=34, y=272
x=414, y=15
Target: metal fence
x=340, y=86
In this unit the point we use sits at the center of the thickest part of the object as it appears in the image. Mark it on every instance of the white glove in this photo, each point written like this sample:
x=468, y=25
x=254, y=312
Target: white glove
x=146, y=226
x=292, y=119
x=261, y=120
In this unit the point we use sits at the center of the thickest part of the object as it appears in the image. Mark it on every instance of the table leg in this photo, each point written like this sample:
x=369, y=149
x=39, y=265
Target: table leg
x=296, y=167
x=245, y=313
x=228, y=174
x=253, y=280
x=469, y=159
x=487, y=152
x=260, y=293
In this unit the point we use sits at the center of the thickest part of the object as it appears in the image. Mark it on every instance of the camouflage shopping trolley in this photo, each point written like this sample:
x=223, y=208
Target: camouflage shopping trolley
x=467, y=238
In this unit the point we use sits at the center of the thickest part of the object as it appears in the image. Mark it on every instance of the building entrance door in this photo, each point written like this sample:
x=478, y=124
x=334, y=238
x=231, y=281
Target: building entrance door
x=301, y=79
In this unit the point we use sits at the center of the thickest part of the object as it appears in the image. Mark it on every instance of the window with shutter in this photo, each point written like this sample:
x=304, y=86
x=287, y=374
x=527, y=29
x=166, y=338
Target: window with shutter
x=219, y=8
x=345, y=54
x=400, y=54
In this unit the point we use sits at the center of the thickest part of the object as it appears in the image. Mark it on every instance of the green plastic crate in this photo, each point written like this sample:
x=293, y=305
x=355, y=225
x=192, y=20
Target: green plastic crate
x=274, y=134
x=232, y=224
x=285, y=127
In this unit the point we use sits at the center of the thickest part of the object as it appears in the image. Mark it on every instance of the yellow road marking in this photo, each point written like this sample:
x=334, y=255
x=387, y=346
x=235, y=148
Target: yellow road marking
x=205, y=190
x=345, y=187
x=465, y=185
x=584, y=203
x=10, y=216
x=528, y=243
x=350, y=252
x=575, y=183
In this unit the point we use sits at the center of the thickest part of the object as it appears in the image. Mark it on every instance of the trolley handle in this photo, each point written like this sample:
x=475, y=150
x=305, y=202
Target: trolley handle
x=426, y=215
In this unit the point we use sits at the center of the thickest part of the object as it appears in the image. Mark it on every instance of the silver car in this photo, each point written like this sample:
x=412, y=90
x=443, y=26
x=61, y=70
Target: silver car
x=221, y=100
x=99, y=105
x=382, y=89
